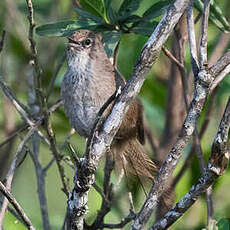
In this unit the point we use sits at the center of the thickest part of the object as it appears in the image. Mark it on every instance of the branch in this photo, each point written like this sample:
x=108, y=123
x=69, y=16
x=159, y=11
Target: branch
x=51, y=84
x=77, y=204
x=2, y=40
x=35, y=154
x=17, y=207
x=10, y=174
x=216, y=167
x=120, y=225
x=221, y=64
x=37, y=68
x=204, y=35
x=220, y=77
x=172, y=57
x=192, y=40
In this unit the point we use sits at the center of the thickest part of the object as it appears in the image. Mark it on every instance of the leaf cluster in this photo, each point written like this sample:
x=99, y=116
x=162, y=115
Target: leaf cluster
x=115, y=17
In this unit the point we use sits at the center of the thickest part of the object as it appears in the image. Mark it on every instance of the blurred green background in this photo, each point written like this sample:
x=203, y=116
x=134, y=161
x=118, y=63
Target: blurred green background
x=14, y=68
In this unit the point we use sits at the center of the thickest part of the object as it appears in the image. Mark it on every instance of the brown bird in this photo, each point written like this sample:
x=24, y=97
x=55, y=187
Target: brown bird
x=88, y=83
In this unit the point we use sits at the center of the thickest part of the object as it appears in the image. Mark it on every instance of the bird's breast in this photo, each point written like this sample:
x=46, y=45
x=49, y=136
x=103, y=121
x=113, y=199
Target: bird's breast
x=82, y=101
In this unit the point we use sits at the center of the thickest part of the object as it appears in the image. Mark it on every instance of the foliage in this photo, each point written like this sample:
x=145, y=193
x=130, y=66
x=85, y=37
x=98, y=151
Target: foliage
x=109, y=16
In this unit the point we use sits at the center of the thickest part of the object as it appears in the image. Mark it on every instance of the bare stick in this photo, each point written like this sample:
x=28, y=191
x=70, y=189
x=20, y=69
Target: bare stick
x=216, y=167
x=35, y=154
x=120, y=225
x=13, y=134
x=34, y=53
x=2, y=40
x=170, y=55
x=204, y=35
x=10, y=174
x=17, y=207
x=220, y=77
x=221, y=64
x=21, y=108
x=51, y=84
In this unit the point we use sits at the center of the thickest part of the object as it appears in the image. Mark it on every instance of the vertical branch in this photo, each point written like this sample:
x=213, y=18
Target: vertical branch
x=2, y=40
x=35, y=152
x=175, y=109
x=107, y=192
x=192, y=40
x=195, y=68
x=34, y=52
x=204, y=35
x=42, y=100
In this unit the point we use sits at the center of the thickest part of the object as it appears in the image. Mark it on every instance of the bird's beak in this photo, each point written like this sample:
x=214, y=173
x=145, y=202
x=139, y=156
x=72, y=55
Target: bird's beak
x=71, y=40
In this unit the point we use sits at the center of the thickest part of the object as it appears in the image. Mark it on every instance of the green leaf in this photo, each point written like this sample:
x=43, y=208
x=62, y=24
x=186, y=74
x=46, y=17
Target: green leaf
x=156, y=10
x=112, y=15
x=87, y=15
x=223, y=224
x=217, y=12
x=216, y=15
x=64, y=28
x=95, y=7
x=144, y=28
x=128, y=7
x=110, y=40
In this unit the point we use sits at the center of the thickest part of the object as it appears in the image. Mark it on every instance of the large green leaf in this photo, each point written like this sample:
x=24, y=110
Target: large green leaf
x=110, y=40
x=64, y=28
x=217, y=12
x=95, y=7
x=144, y=28
x=156, y=10
x=216, y=15
x=83, y=14
x=128, y=7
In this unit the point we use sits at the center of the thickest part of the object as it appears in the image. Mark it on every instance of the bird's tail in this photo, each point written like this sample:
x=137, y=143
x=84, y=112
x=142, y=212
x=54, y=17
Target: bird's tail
x=130, y=155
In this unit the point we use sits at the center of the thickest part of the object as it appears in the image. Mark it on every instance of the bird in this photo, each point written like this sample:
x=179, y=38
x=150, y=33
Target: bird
x=88, y=83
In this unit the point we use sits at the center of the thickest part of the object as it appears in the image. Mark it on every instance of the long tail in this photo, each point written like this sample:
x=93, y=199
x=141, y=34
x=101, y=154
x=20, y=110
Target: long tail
x=131, y=155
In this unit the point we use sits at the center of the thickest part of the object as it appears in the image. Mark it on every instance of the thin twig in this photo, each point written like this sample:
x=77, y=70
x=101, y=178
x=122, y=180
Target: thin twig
x=54, y=149
x=21, y=108
x=35, y=154
x=13, y=135
x=2, y=40
x=10, y=174
x=51, y=84
x=170, y=55
x=208, y=112
x=45, y=169
x=220, y=77
x=26, y=126
x=120, y=225
x=14, y=213
x=34, y=61
x=221, y=64
x=17, y=207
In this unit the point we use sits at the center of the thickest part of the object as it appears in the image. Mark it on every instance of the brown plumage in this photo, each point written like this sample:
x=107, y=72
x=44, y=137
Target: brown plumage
x=88, y=83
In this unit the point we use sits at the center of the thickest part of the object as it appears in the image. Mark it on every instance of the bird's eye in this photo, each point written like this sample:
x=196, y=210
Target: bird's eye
x=87, y=42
